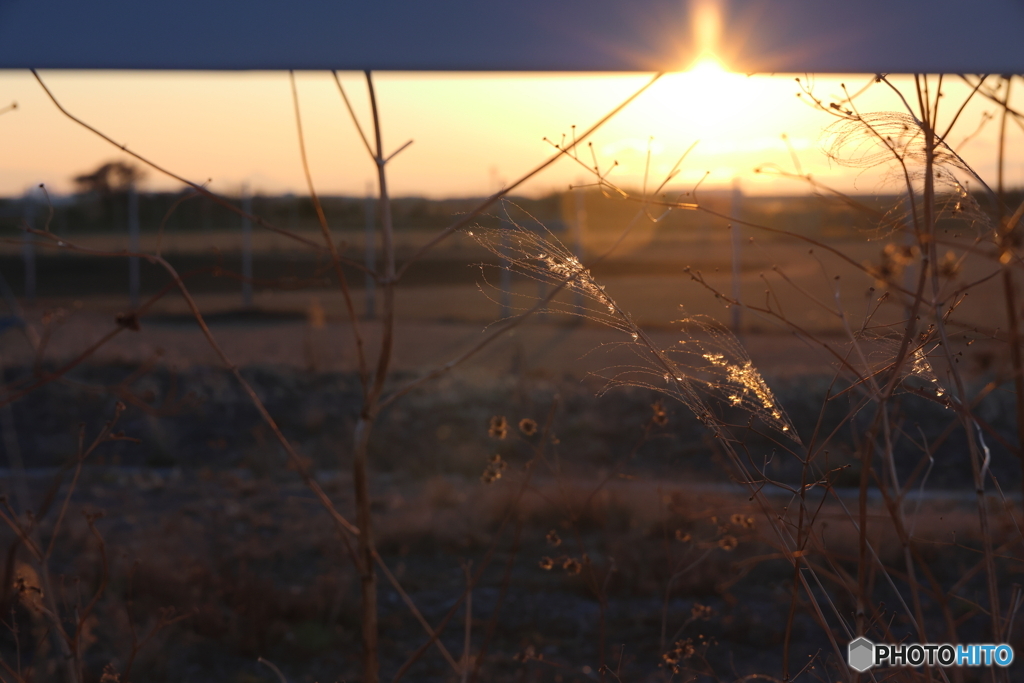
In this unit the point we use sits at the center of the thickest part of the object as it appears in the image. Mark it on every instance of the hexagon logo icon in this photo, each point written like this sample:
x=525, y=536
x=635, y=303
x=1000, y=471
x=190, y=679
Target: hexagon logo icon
x=861, y=654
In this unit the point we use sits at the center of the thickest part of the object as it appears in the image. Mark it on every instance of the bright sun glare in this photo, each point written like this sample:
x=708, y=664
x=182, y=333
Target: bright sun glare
x=705, y=97
x=702, y=100
x=708, y=75
x=705, y=100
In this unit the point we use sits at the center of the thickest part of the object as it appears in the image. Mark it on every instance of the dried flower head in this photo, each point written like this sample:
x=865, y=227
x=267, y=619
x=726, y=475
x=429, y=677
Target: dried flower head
x=572, y=565
x=527, y=426
x=728, y=542
x=699, y=611
x=28, y=587
x=553, y=538
x=498, y=428
x=736, y=519
x=494, y=469
x=894, y=258
x=682, y=536
x=659, y=416
x=546, y=563
x=679, y=654
x=949, y=267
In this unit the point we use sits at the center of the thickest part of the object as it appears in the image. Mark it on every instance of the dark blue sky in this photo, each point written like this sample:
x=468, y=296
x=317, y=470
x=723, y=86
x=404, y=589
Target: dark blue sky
x=864, y=36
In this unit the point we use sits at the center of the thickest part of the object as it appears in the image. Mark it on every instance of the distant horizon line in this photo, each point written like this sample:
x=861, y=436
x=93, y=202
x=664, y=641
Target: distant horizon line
x=713, y=190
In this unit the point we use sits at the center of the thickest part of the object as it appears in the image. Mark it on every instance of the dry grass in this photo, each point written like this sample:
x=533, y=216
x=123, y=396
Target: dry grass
x=873, y=498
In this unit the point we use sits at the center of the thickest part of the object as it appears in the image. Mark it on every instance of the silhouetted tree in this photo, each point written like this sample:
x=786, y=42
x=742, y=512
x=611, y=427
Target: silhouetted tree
x=107, y=187
x=113, y=177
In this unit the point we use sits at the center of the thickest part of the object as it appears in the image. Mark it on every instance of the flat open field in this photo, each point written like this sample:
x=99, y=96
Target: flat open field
x=647, y=275
x=616, y=536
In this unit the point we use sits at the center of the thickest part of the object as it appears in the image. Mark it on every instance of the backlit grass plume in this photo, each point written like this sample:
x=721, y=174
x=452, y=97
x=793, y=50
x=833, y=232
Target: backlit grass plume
x=707, y=369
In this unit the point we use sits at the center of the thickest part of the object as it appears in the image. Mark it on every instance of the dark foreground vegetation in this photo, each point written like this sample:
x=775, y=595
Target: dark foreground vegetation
x=675, y=511
x=607, y=537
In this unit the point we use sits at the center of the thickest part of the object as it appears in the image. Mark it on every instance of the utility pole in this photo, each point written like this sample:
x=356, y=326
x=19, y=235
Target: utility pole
x=246, y=248
x=134, y=280
x=28, y=247
x=505, y=278
x=506, y=271
x=578, y=226
x=737, y=247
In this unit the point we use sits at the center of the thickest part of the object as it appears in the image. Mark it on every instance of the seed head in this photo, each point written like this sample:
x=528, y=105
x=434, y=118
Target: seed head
x=527, y=426
x=950, y=265
x=498, y=428
x=699, y=611
x=659, y=417
x=572, y=565
x=493, y=470
x=678, y=655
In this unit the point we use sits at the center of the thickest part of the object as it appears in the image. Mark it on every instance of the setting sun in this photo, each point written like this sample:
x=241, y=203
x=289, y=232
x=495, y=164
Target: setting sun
x=708, y=99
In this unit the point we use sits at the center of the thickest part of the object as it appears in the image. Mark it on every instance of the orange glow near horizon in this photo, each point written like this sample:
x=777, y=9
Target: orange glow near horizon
x=469, y=129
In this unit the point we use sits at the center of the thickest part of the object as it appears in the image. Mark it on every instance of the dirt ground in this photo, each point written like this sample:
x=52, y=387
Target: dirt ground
x=577, y=572
x=616, y=552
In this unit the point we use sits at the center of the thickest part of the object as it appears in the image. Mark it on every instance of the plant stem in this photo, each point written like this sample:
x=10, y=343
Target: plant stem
x=1009, y=292
x=365, y=551
x=364, y=426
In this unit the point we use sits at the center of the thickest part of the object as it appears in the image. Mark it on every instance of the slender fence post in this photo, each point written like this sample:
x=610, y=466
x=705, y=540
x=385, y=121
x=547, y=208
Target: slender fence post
x=506, y=272
x=505, y=278
x=28, y=247
x=371, y=254
x=134, y=279
x=246, y=248
x=578, y=226
x=737, y=247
